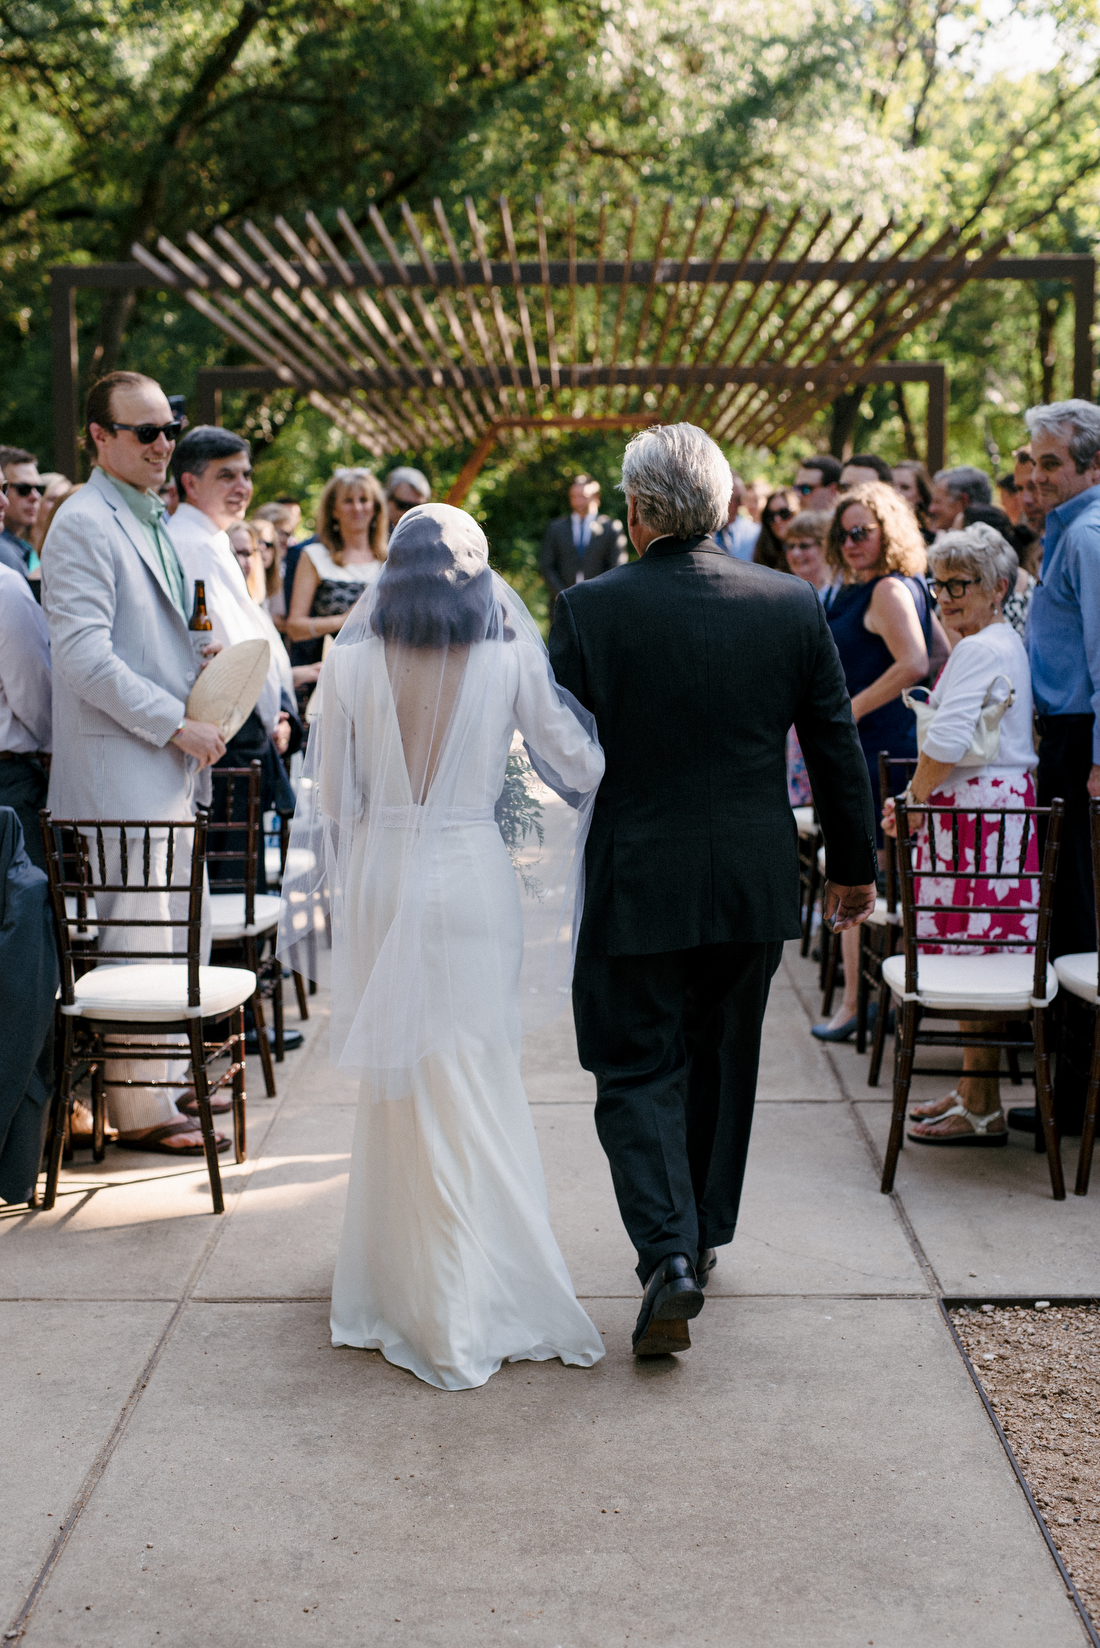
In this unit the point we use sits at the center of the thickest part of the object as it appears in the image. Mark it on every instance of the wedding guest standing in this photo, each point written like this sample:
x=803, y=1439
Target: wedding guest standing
x=738, y=536
x=972, y=572
x=817, y=481
x=881, y=619
x=914, y=483
x=1063, y=643
x=347, y=555
x=405, y=488
x=26, y=727
x=25, y=489
x=952, y=491
x=779, y=511
x=805, y=553
x=863, y=469
x=124, y=662
x=582, y=544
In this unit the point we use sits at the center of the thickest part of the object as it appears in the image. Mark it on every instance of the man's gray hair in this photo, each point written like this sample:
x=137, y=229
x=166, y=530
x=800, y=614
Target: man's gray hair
x=404, y=476
x=966, y=482
x=1075, y=422
x=979, y=550
x=679, y=479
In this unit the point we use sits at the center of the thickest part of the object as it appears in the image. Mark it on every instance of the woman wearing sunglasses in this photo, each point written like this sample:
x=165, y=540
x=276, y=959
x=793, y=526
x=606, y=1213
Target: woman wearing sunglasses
x=779, y=511
x=881, y=619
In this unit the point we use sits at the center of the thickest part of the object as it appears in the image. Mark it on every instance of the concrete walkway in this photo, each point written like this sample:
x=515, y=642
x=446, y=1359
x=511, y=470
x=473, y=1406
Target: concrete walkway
x=190, y=1462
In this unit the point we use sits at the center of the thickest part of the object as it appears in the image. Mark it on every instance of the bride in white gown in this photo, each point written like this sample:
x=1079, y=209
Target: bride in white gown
x=447, y=1263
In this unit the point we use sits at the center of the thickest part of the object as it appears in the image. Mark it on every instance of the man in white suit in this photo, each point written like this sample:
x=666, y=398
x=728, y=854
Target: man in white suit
x=124, y=662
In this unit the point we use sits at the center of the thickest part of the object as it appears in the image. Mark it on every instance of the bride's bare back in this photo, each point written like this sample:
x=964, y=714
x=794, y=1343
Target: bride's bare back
x=425, y=683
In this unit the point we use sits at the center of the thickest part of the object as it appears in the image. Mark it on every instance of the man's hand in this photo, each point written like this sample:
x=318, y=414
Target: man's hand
x=281, y=736
x=203, y=740
x=1094, y=783
x=209, y=652
x=845, y=907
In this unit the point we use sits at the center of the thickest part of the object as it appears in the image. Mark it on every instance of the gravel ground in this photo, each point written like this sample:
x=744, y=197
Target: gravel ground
x=1041, y=1371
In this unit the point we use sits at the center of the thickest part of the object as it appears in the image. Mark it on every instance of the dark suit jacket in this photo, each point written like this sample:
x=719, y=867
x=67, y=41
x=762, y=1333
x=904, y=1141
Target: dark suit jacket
x=607, y=547
x=695, y=665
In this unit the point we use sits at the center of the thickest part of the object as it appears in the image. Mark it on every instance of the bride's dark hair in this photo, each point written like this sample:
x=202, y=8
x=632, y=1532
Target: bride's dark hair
x=425, y=600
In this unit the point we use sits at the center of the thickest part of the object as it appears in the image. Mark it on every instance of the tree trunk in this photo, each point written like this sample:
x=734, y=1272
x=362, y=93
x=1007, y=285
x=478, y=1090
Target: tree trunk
x=845, y=411
x=907, y=433
x=1050, y=309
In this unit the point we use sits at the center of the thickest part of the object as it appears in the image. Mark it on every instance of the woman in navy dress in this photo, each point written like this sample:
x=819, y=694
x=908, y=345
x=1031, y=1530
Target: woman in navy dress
x=881, y=620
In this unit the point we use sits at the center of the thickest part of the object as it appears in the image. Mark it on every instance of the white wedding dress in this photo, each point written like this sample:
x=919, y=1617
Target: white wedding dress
x=447, y=1263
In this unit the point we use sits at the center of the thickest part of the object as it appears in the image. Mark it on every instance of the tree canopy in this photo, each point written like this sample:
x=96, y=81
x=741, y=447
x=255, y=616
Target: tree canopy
x=124, y=118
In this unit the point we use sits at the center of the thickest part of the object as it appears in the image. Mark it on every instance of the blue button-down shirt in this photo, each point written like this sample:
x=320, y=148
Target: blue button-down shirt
x=1063, y=625
x=738, y=538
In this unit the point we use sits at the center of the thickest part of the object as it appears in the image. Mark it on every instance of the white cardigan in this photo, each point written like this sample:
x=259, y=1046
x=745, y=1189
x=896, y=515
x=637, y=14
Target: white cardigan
x=960, y=690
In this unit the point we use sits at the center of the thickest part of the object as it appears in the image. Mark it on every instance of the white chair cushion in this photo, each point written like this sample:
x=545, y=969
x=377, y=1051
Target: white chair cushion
x=804, y=819
x=1077, y=974
x=821, y=859
x=878, y=916
x=149, y=990
x=227, y=915
x=981, y=982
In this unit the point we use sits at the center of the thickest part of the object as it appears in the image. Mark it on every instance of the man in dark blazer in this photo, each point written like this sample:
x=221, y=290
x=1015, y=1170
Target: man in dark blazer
x=584, y=543
x=695, y=665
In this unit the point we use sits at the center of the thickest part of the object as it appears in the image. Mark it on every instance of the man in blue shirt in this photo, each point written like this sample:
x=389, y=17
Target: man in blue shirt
x=1063, y=642
x=738, y=536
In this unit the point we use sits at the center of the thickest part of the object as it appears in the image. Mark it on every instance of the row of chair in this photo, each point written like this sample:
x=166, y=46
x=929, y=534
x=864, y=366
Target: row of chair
x=1018, y=984
x=127, y=996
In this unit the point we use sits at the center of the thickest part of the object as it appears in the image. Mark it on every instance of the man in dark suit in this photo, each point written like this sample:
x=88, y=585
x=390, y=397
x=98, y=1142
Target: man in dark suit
x=584, y=543
x=695, y=665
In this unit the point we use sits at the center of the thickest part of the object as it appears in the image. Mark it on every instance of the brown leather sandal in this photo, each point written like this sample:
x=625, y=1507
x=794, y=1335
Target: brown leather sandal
x=153, y=1141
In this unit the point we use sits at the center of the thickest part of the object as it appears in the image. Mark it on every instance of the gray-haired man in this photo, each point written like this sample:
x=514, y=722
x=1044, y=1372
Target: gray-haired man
x=953, y=490
x=695, y=666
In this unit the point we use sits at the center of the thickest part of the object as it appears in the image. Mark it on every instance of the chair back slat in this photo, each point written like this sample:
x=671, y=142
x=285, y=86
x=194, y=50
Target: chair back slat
x=71, y=869
x=904, y=766
x=1009, y=867
x=229, y=782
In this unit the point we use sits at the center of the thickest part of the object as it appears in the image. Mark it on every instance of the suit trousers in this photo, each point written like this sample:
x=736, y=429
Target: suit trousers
x=1065, y=761
x=23, y=785
x=674, y=1043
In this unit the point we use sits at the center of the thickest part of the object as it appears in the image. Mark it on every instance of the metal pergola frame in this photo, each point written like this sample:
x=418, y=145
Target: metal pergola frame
x=749, y=341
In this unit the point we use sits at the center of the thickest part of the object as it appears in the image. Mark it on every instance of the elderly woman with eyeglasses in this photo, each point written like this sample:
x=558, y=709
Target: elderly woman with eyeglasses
x=973, y=571
x=881, y=621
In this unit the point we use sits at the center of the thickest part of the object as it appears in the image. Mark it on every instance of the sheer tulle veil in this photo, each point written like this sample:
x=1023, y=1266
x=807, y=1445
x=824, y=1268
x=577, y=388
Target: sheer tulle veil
x=412, y=749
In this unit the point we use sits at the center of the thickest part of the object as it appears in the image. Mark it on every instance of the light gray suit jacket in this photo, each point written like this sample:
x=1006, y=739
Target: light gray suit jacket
x=123, y=664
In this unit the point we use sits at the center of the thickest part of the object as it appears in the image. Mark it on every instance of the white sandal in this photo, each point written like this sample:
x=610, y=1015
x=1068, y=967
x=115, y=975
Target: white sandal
x=980, y=1136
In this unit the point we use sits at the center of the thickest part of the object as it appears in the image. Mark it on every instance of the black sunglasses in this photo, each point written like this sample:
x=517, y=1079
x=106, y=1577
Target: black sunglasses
x=25, y=488
x=148, y=432
x=857, y=534
x=780, y=514
x=4, y=487
x=403, y=503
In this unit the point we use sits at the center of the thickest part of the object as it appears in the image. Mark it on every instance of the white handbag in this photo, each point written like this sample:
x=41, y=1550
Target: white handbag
x=987, y=732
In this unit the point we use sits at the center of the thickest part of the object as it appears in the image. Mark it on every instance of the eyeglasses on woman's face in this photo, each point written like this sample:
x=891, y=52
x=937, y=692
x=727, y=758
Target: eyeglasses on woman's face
x=780, y=514
x=403, y=503
x=856, y=535
x=802, y=546
x=953, y=588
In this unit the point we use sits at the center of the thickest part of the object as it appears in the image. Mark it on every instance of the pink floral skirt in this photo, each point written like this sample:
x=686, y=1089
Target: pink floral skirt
x=954, y=921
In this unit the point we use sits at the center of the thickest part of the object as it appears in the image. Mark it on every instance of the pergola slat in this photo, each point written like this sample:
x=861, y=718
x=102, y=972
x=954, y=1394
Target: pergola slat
x=416, y=346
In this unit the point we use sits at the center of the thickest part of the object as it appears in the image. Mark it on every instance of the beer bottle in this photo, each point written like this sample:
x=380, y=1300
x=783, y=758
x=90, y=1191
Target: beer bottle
x=199, y=620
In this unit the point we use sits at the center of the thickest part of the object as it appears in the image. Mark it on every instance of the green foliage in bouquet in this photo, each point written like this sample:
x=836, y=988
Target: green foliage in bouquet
x=519, y=815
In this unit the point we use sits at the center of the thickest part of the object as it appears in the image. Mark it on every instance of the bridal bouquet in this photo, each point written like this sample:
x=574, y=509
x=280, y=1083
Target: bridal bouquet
x=519, y=814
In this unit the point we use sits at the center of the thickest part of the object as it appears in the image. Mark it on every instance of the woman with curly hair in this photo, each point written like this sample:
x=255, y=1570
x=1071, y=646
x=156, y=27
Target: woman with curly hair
x=881, y=619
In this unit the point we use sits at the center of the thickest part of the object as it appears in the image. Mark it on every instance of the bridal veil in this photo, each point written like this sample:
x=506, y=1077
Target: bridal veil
x=433, y=668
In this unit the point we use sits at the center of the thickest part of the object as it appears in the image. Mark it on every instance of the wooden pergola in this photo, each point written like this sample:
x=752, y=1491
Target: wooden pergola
x=745, y=322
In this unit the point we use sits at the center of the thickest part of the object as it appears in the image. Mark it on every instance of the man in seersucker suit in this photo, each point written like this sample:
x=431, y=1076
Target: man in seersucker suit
x=123, y=663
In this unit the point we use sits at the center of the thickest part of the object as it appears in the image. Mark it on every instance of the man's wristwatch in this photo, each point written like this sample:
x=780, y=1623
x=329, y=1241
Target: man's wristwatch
x=179, y=729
